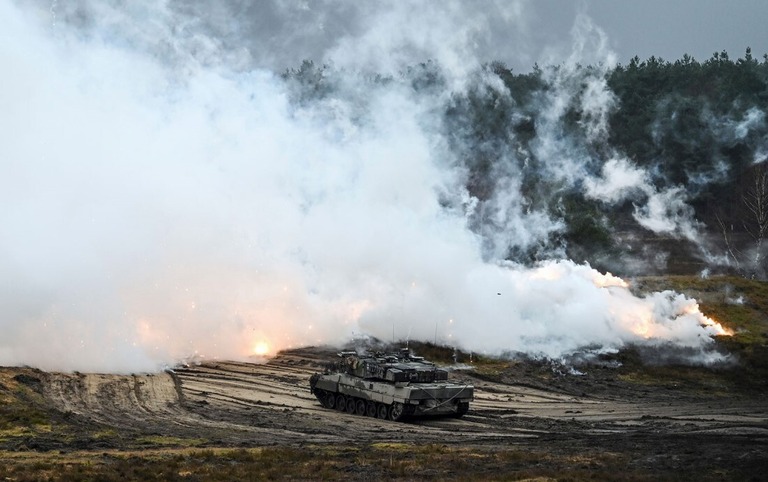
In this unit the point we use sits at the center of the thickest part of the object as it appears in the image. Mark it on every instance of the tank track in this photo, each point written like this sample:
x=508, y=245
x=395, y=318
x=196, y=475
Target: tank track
x=395, y=412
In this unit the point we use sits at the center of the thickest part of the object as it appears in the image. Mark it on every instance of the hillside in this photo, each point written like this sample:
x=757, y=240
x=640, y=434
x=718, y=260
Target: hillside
x=531, y=418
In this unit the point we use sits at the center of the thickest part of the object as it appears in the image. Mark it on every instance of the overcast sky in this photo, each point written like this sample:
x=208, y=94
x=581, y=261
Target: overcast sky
x=663, y=28
x=524, y=32
x=670, y=28
x=279, y=34
x=520, y=32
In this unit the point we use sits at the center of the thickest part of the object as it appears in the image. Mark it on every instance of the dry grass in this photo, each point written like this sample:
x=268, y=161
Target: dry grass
x=368, y=462
x=19, y=403
x=739, y=304
x=166, y=441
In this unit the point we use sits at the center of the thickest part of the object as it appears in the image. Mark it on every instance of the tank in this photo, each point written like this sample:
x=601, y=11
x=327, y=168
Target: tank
x=389, y=386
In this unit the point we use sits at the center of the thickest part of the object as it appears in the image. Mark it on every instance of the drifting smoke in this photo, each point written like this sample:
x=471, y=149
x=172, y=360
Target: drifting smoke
x=164, y=196
x=664, y=211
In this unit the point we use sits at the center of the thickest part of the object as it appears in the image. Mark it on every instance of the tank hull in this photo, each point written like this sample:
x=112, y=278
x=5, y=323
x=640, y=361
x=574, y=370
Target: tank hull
x=395, y=401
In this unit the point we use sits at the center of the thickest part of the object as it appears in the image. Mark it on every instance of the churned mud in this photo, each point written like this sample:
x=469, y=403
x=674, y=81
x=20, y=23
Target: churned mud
x=651, y=430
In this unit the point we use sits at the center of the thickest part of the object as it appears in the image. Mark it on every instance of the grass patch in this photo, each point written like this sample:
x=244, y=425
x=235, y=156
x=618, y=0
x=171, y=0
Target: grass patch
x=394, y=446
x=382, y=461
x=19, y=402
x=166, y=441
x=739, y=304
x=702, y=380
x=108, y=433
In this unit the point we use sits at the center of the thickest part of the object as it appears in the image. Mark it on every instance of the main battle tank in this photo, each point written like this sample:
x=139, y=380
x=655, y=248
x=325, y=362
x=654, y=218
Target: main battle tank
x=389, y=386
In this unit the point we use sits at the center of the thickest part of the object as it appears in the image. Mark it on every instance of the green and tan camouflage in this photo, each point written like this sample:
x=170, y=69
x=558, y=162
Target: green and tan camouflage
x=390, y=386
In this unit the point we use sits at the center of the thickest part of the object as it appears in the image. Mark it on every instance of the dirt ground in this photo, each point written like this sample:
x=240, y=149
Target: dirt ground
x=650, y=431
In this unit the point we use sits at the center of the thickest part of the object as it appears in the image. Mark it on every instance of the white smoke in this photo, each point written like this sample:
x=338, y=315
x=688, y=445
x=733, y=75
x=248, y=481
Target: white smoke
x=163, y=199
x=619, y=180
x=731, y=130
x=554, y=309
x=662, y=211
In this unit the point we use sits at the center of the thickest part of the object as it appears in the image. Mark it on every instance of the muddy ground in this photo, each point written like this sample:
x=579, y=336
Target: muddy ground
x=631, y=429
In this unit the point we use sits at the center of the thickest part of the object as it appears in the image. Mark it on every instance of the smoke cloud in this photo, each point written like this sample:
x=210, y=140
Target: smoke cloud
x=164, y=196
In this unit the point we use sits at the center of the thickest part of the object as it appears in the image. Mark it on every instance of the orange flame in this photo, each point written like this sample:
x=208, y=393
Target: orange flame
x=720, y=330
x=643, y=324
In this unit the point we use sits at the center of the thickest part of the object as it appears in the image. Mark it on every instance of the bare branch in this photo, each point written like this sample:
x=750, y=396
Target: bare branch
x=756, y=201
x=728, y=246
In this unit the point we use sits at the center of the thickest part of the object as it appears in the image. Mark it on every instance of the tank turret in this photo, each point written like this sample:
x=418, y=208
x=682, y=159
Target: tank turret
x=394, y=386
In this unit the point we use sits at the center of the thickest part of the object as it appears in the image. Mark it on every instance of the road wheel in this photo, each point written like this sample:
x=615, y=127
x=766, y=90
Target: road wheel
x=320, y=394
x=350, y=404
x=382, y=411
x=330, y=400
x=360, y=407
x=396, y=412
x=341, y=402
x=370, y=409
x=461, y=409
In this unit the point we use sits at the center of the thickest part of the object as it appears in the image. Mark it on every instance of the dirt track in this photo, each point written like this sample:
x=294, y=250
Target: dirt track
x=241, y=404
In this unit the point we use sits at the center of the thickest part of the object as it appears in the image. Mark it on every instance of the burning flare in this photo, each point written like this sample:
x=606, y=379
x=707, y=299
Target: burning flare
x=669, y=311
x=710, y=324
x=261, y=349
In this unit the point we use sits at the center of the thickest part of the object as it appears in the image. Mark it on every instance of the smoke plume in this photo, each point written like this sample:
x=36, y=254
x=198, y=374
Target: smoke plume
x=167, y=195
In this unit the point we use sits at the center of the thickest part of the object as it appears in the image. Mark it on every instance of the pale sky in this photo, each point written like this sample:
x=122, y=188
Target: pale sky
x=671, y=28
x=279, y=34
x=524, y=32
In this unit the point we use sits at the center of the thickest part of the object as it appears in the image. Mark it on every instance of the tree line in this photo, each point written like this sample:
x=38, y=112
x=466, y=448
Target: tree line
x=700, y=127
